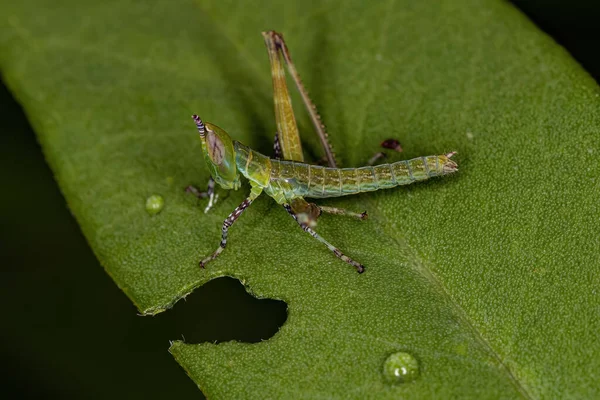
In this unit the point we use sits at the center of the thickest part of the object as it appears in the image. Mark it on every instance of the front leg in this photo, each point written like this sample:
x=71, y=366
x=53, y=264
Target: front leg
x=359, y=267
x=210, y=193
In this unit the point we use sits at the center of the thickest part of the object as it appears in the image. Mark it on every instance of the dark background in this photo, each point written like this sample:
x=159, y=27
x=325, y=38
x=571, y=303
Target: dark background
x=55, y=343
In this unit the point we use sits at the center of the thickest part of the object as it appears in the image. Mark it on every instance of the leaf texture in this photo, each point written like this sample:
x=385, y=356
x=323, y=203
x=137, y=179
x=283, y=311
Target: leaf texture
x=488, y=278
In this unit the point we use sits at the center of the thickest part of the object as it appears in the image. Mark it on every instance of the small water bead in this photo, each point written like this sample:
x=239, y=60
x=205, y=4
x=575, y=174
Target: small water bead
x=400, y=368
x=154, y=204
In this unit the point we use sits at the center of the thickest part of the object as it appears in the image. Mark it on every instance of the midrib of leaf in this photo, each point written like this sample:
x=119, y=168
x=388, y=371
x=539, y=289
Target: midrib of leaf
x=396, y=236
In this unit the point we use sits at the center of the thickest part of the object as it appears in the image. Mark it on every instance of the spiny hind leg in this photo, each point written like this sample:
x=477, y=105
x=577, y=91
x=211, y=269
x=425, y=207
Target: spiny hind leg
x=359, y=267
x=341, y=211
x=225, y=230
x=275, y=43
x=288, y=136
x=210, y=193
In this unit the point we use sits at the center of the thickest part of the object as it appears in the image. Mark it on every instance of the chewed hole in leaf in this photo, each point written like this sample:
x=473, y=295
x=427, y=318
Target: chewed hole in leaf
x=222, y=310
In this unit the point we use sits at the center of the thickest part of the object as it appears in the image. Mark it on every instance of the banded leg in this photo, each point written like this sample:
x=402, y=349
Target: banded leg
x=359, y=267
x=210, y=193
x=224, y=231
x=254, y=193
x=277, y=147
x=341, y=211
x=275, y=45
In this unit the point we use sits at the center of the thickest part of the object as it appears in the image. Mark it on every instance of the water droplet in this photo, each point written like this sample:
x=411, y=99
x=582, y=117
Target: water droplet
x=401, y=367
x=154, y=204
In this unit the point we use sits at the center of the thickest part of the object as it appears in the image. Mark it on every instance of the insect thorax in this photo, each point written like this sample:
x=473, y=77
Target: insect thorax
x=254, y=166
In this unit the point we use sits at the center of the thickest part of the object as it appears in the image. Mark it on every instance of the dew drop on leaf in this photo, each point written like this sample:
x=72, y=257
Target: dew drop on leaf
x=154, y=204
x=400, y=367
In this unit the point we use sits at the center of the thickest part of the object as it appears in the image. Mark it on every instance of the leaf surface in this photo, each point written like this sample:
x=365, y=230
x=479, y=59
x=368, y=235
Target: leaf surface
x=488, y=278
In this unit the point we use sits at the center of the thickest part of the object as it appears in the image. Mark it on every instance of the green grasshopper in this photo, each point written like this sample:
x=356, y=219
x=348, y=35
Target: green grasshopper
x=289, y=181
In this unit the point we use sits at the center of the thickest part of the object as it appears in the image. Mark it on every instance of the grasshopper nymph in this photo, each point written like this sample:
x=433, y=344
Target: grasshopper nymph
x=289, y=180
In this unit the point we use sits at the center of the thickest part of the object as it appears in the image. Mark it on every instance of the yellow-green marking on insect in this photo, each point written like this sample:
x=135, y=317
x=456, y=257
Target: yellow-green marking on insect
x=289, y=181
x=154, y=204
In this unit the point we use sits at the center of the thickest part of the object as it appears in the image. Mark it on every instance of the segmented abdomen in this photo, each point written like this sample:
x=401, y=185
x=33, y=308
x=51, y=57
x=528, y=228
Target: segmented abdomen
x=303, y=180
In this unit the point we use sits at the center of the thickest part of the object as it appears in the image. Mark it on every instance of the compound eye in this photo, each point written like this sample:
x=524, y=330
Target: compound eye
x=215, y=147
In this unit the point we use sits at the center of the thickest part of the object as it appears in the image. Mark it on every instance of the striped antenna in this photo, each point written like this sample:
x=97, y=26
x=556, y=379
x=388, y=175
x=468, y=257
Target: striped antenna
x=199, y=125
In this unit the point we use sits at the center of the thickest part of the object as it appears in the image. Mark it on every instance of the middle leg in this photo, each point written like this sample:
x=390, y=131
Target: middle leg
x=340, y=211
x=254, y=193
x=210, y=193
x=359, y=267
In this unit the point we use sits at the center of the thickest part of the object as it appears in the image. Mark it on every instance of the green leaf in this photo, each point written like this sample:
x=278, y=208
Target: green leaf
x=488, y=279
